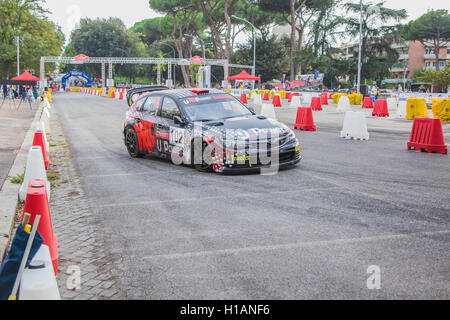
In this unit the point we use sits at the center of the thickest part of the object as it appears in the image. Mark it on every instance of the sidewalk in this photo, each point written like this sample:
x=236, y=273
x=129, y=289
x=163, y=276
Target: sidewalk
x=14, y=125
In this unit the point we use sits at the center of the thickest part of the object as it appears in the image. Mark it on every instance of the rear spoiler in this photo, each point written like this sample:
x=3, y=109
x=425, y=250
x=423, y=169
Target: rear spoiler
x=142, y=90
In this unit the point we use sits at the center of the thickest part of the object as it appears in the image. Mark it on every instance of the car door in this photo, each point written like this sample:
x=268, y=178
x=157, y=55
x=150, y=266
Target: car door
x=147, y=124
x=169, y=134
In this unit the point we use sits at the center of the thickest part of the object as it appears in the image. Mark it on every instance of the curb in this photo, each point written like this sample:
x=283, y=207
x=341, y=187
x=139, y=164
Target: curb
x=9, y=193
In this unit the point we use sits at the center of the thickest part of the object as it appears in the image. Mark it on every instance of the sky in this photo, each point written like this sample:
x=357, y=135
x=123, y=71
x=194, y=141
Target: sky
x=66, y=13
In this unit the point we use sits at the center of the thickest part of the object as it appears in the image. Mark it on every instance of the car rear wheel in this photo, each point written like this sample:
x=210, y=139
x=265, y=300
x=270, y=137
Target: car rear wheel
x=132, y=143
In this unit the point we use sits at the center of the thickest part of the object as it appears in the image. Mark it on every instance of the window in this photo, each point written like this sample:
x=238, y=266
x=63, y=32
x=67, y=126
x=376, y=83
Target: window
x=151, y=106
x=170, y=109
x=427, y=63
x=139, y=104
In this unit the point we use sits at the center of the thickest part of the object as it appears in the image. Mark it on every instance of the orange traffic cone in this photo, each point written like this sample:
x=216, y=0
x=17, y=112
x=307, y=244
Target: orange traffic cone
x=36, y=203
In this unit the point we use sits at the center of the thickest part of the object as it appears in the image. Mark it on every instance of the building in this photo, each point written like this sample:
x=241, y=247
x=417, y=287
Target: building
x=415, y=56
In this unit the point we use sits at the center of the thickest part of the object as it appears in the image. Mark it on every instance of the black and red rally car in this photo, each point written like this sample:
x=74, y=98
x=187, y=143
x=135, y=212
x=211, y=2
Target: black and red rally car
x=206, y=128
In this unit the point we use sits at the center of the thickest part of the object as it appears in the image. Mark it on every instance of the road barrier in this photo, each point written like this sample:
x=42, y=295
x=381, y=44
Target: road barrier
x=36, y=203
x=427, y=135
x=276, y=101
x=34, y=170
x=316, y=104
x=257, y=100
x=266, y=96
x=368, y=103
x=441, y=110
x=401, y=110
x=355, y=126
x=380, y=109
x=39, y=281
x=305, y=120
x=392, y=104
x=306, y=99
x=343, y=104
x=39, y=141
x=416, y=107
x=296, y=102
x=268, y=111
x=244, y=98
x=324, y=99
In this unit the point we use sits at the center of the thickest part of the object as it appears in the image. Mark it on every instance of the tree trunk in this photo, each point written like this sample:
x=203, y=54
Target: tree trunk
x=437, y=48
x=179, y=47
x=227, y=40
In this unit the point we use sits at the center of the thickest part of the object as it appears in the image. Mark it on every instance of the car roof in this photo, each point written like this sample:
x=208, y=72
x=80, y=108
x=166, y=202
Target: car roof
x=180, y=94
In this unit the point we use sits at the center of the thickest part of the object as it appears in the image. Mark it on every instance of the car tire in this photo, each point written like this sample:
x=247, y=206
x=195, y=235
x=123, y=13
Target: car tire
x=132, y=143
x=200, y=167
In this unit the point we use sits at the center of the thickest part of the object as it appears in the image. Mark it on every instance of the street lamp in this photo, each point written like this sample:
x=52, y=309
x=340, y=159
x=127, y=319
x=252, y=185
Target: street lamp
x=203, y=45
x=18, y=42
x=254, y=46
x=360, y=48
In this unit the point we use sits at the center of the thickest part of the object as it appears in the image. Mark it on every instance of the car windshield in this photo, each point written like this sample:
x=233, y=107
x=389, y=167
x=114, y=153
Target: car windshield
x=212, y=108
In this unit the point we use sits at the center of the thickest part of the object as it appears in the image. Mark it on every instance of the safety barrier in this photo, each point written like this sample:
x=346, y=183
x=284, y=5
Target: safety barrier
x=355, y=126
x=305, y=120
x=427, y=135
x=380, y=109
x=276, y=101
x=316, y=105
x=416, y=107
x=268, y=111
x=441, y=109
x=368, y=103
x=244, y=98
x=343, y=104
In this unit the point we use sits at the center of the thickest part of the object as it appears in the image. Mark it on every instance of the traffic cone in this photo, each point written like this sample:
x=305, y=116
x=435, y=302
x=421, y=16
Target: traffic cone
x=244, y=98
x=36, y=203
x=380, y=109
x=121, y=95
x=315, y=104
x=368, y=103
x=288, y=96
x=276, y=102
x=305, y=120
x=427, y=135
x=39, y=141
x=35, y=170
x=113, y=94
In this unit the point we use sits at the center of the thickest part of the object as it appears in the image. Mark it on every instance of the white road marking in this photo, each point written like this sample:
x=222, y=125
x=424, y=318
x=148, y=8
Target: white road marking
x=294, y=245
x=237, y=195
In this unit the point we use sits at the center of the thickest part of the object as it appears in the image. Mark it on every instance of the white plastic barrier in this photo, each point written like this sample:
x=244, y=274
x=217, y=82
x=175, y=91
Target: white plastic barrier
x=306, y=99
x=355, y=126
x=38, y=280
x=256, y=100
x=401, y=110
x=268, y=111
x=344, y=104
x=41, y=126
x=296, y=102
x=35, y=170
x=391, y=103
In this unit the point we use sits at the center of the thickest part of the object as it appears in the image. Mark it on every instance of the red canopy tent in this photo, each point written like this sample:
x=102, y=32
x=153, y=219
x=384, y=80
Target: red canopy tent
x=26, y=76
x=244, y=76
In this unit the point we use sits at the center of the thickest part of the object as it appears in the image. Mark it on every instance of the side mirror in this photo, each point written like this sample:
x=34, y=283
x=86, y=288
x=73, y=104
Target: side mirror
x=177, y=120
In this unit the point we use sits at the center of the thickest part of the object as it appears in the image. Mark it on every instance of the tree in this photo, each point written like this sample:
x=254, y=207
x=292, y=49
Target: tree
x=380, y=28
x=26, y=18
x=272, y=57
x=433, y=26
x=104, y=38
x=440, y=79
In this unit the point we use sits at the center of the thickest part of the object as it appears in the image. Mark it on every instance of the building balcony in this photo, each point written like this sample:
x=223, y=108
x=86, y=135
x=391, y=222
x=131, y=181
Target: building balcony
x=399, y=69
x=432, y=56
x=400, y=45
x=403, y=56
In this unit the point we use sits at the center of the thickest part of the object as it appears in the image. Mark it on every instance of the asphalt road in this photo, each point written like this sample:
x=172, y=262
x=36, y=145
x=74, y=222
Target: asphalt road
x=306, y=233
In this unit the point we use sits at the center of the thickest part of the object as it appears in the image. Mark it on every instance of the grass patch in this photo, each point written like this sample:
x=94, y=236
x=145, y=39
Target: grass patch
x=17, y=179
x=53, y=176
x=53, y=144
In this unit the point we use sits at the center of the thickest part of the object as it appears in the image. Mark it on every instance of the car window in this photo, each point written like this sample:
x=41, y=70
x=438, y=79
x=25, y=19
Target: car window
x=151, y=105
x=139, y=104
x=169, y=109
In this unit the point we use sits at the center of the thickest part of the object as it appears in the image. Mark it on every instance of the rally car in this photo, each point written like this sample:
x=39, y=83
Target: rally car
x=208, y=129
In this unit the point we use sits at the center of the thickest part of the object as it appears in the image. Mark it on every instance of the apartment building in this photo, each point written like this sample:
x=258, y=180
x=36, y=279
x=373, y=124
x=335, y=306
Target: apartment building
x=414, y=56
